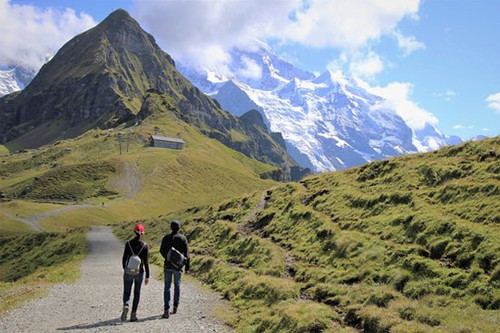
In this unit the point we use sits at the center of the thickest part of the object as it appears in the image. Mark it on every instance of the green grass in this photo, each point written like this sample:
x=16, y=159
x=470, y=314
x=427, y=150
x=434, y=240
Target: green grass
x=4, y=150
x=24, y=208
x=90, y=169
x=71, y=182
x=407, y=244
x=31, y=263
x=10, y=226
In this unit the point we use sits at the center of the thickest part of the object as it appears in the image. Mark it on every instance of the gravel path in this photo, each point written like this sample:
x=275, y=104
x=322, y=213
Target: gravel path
x=93, y=304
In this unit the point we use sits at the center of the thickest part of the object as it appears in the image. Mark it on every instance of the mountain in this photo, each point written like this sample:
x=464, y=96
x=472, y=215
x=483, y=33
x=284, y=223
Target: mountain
x=408, y=244
x=14, y=79
x=479, y=137
x=328, y=122
x=104, y=77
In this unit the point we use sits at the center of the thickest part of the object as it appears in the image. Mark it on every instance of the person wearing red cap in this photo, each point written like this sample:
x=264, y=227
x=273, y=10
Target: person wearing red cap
x=135, y=246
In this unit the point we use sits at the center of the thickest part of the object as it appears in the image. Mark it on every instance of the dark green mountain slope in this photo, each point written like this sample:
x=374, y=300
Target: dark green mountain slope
x=101, y=77
x=410, y=244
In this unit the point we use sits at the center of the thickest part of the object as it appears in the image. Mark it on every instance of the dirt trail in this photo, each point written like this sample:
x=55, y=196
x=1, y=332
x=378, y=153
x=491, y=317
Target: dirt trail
x=129, y=182
x=93, y=304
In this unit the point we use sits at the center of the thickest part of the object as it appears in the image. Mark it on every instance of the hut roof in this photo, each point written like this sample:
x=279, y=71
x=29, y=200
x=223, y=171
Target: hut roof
x=166, y=139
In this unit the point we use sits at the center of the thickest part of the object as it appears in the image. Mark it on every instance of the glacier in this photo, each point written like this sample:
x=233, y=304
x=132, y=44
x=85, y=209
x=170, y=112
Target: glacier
x=329, y=122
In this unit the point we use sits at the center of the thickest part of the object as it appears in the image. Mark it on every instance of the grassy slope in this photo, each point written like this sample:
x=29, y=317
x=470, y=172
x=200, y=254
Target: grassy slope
x=9, y=226
x=204, y=172
x=408, y=244
x=33, y=262
x=3, y=150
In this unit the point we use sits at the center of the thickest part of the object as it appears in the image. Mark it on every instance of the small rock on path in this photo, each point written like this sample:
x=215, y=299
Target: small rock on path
x=94, y=303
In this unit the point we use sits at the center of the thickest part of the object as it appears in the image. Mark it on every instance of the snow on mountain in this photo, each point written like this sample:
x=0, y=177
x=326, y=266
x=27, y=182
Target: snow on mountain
x=14, y=79
x=479, y=137
x=328, y=122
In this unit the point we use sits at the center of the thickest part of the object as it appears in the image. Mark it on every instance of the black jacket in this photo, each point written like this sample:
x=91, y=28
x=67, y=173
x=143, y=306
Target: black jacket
x=136, y=245
x=179, y=242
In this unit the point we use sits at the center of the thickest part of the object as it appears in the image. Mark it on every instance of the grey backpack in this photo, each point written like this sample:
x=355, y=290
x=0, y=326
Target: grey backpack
x=134, y=262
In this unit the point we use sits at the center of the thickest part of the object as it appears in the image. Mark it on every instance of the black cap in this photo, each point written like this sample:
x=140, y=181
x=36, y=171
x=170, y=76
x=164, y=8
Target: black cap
x=175, y=225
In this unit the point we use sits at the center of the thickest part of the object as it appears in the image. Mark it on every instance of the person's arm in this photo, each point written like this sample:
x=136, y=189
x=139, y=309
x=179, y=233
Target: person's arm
x=125, y=256
x=146, y=264
x=163, y=247
x=187, y=255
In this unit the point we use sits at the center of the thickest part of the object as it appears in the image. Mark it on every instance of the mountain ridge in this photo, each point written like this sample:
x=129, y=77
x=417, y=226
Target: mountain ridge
x=100, y=79
x=328, y=122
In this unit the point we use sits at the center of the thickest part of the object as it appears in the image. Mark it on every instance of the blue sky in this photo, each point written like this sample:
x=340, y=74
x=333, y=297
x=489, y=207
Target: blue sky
x=439, y=56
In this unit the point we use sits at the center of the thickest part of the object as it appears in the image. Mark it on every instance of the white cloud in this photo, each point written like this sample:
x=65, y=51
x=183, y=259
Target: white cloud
x=29, y=34
x=348, y=24
x=397, y=96
x=494, y=102
x=408, y=44
x=485, y=129
x=358, y=64
x=252, y=70
x=366, y=67
x=447, y=95
x=183, y=28
x=458, y=127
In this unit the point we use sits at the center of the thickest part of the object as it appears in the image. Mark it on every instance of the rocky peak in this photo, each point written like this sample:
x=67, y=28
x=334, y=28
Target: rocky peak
x=103, y=77
x=254, y=117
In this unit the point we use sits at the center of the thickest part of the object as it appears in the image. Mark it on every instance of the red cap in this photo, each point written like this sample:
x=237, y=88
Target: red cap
x=139, y=229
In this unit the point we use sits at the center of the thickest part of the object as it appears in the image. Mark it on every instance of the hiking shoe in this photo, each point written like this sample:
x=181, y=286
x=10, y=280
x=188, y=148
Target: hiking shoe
x=124, y=313
x=174, y=311
x=133, y=317
x=165, y=314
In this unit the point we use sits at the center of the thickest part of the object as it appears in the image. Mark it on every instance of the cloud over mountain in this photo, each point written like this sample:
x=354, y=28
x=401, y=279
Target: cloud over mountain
x=29, y=35
x=200, y=31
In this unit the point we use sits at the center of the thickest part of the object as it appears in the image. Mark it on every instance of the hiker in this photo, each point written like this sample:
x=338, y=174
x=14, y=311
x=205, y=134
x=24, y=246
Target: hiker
x=134, y=262
x=174, y=248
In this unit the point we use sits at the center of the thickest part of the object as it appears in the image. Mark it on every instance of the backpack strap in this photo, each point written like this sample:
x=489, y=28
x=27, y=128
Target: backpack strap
x=133, y=253
x=142, y=248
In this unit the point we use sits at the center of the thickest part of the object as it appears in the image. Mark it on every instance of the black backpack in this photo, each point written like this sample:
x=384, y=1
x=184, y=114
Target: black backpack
x=175, y=258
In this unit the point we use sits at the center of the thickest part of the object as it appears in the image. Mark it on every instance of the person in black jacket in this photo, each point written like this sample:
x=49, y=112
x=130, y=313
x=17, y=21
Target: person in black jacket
x=139, y=247
x=179, y=242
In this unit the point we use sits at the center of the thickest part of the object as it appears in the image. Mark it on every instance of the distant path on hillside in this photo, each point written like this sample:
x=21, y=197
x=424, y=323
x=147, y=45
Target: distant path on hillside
x=130, y=182
x=32, y=221
x=93, y=304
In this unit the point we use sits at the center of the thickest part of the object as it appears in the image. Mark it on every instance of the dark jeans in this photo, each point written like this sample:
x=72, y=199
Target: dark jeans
x=128, y=280
x=168, y=274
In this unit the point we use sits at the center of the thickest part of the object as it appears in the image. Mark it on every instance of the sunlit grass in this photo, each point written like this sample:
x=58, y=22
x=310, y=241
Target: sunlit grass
x=58, y=258
x=10, y=226
x=24, y=208
x=408, y=244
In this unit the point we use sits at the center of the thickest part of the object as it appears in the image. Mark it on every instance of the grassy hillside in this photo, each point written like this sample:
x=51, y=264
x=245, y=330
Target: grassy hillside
x=3, y=150
x=142, y=182
x=88, y=174
x=33, y=262
x=410, y=244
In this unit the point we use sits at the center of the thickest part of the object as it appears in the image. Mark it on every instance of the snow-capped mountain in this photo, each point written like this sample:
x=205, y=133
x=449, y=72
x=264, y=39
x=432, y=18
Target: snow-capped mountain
x=328, y=122
x=479, y=137
x=14, y=79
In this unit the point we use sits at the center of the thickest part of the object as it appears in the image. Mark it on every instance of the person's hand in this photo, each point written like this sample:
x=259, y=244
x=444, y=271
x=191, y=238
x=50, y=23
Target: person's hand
x=186, y=271
x=146, y=281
